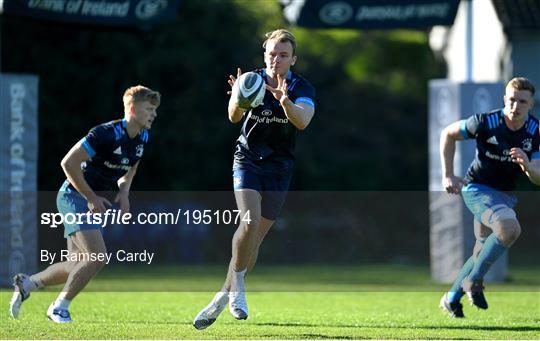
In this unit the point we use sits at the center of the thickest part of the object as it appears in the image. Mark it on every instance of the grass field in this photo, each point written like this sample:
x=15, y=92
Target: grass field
x=309, y=302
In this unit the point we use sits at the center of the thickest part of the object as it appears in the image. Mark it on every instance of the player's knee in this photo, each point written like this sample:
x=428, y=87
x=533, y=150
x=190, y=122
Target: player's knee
x=481, y=232
x=497, y=214
x=508, y=232
x=250, y=227
x=249, y=231
x=96, y=265
x=69, y=266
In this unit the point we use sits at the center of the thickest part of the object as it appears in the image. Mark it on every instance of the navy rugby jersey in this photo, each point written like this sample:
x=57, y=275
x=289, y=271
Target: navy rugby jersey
x=267, y=140
x=112, y=154
x=492, y=165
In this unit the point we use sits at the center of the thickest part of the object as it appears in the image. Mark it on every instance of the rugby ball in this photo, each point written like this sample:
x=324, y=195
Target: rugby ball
x=249, y=90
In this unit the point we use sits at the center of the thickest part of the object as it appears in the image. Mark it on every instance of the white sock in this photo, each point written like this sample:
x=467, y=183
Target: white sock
x=222, y=297
x=62, y=303
x=239, y=280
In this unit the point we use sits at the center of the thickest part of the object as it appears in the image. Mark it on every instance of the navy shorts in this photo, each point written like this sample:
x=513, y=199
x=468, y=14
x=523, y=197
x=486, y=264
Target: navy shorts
x=272, y=187
x=69, y=200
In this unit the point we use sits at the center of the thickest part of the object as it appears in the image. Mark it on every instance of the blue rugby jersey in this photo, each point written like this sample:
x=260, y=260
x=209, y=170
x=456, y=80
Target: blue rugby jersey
x=267, y=140
x=492, y=165
x=112, y=154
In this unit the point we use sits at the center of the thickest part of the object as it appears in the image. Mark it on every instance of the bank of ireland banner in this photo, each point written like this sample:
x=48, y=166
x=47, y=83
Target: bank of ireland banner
x=18, y=175
x=141, y=13
x=370, y=14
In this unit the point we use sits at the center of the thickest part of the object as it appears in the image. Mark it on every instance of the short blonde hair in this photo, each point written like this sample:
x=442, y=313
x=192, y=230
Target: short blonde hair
x=282, y=36
x=521, y=83
x=141, y=93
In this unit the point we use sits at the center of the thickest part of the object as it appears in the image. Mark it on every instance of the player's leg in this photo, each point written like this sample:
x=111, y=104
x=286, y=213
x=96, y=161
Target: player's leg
x=246, y=186
x=55, y=274
x=241, y=249
x=67, y=201
x=243, y=246
x=233, y=288
x=245, y=237
x=271, y=200
x=208, y=315
x=505, y=233
x=506, y=230
x=494, y=210
x=481, y=232
x=450, y=302
x=262, y=231
x=275, y=189
x=88, y=242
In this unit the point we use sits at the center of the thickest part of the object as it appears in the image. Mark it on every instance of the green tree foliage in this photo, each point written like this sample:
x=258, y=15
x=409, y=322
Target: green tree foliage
x=371, y=124
x=369, y=131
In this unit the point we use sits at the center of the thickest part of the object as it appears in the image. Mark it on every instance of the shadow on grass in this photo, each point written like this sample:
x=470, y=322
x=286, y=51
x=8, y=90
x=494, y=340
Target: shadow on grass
x=484, y=328
x=311, y=336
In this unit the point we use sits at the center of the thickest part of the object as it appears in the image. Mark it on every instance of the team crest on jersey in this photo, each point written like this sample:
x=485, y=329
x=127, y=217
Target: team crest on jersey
x=266, y=112
x=139, y=150
x=527, y=145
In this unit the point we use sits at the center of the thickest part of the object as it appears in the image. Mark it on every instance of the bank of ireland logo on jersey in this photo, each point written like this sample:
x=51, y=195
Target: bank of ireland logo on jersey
x=139, y=150
x=527, y=145
x=266, y=112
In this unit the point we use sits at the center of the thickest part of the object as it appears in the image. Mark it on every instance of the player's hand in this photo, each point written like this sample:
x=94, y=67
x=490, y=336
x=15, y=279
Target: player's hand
x=518, y=156
x=453, y=184
x=233, y=79
x=279, y=92
x=96, y=204
x=122, y=198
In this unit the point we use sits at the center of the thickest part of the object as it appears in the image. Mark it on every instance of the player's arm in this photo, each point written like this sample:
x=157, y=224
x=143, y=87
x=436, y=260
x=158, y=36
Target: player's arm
x=533, y=172
x=235, y=112
x=449, y=136
x=530, y=167
x=71, y=164
x=124, y=184
x=299, y=114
